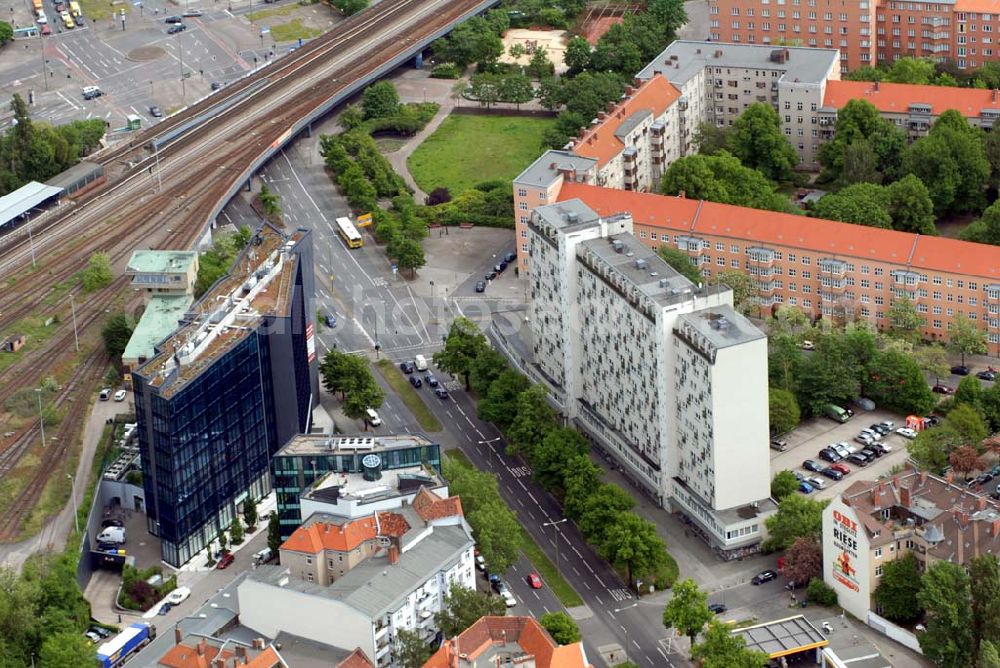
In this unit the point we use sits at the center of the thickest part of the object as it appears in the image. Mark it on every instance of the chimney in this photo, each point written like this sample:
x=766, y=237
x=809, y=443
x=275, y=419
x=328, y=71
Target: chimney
x=629, y=90
x=202, y=646
x=637, y=82
x=583, y=132
x=904, y=497
x=949, y=476
x=611, y=106
x=682, y=194
x=393, y=555
x=601, y=115
x=258, y=643
x=177, y=635
x=659, y=72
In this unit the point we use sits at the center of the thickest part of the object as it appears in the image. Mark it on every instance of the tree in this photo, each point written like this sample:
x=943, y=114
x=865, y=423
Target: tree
x=859, y=121
x=861, y=204
x=561, y=627
x=516, y=89
x=550, y=456
x=580, y=478
x=989, y=656
x=783, y=410
x=533, y=420
x=6, y=32
x=712, y=139
x=984, y=584
x=986, y=230
x=744, y=289
x=687, y=611
x=250, y=513
x=910, y=206
x=964, y=459
x=223, y=543
x=632, y=542
x=486, y=368
x=369, y=395
x=577, y=55
x=783, y=484
x=499, y=403
x=236, y=531
x=409, y=254
x=904, y=321
x=722, y=178
x=759, y=142
x=894, y=380
x=720, y=648
x=270, y=202
x=342, y=372
x=797, y=517
x=349, y=7
x=945, y=597
x=932, y=360
x=116, y=332
x=911, y=71
x=411, y=650
x=896, y=594
x=98, y=273
x=821, y=593
x=463, y=608
x=681, y=262
x=959, y=168
x=966, y=337
x=540, y=66
x=497, y=533
x=66, y=650
x=274, y=533
x=804, y=560
x=970, y=391
x=485, y=87
x=464, y=343
x=601, y=509
x=380, y=100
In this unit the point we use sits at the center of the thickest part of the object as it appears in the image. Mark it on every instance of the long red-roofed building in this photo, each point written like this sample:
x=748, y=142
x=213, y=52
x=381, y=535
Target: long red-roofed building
x=493, y=641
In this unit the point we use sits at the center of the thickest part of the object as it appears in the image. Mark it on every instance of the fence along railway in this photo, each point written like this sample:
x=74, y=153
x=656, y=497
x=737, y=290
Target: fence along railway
x=163, y=193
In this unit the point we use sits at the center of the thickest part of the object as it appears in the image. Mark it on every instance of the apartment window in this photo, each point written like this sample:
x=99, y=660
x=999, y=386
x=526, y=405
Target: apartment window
x=721, y=261
x=523, y=206
x=792, y=271
x=879, y=300
x=735, y=264
x=309, y=560
x=878, y=571
x=736, y=249
x=937, y=324
x=806, y=260
x=878, y=552
x=807, y=274
x=642, y=234
x=936, y=280
x=524, y=234
x=719, y=246
x=522, y=192
x=879, y=271
x=791, y=257
x=865, y=283
x=652, y=235
x=736, y=11
x=937, y=310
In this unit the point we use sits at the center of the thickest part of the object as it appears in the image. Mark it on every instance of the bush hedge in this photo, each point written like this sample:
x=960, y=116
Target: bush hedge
x=446, y=71
x=137, y=593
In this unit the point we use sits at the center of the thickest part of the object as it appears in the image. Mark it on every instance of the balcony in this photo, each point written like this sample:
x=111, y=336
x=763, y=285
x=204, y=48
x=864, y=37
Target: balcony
x=837, y=285
x=832, y=267
x=760, y=256
x=766, y=287
x=993, y=292
x=902, y=277
x=693, y=246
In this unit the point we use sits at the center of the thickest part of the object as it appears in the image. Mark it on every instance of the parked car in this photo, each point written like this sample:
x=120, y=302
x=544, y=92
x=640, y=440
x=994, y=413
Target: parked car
x=407, y=367
x=817, y=482
x=881, y=448
x=508, y=598
x=330, y=320
x=833, y=474
x=497, y=583
x=931, y=420
x=534, y=581
x=216, y=85
x=441, y=392
x=101, y=631
x=226, y=560
x=60, y=6
x=46, y=30
x=193, y=12
x=155, y=112
x=92, y=636
x=960, y=370
x=780, y=446
x=906, y=432
x=843, y=449
x=888, y=424
x=510, y=257
x=812, y=465
x=430, y=380
x=105, y=394
x=174, y=19
x=717, y=608
x=874, y=434
x=943, y=389
x=500, y=266
x=880, y=428
x=480, y=286
x=871, y=454
x=987, y=375
x=176, y=28
x=829, y=455
x=858, y=460
x=120, y=395
x=805, y=487
x=165, y=608
x=843, y=468
x=864, y=439
x=416, y=382
x=763, y=576
x=491, y=276
x=178, y=596
x=799, y=475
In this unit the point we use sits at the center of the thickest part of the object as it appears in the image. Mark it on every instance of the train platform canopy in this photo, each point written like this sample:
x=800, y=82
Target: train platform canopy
x=24, y=199
x=783, y=637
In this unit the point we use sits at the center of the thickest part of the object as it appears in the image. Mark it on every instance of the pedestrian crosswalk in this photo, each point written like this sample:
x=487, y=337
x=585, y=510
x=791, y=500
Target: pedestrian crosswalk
x=620, y=594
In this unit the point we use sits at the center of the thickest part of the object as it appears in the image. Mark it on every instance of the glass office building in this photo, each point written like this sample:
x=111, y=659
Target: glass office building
x=236, y=381
x=308, y=458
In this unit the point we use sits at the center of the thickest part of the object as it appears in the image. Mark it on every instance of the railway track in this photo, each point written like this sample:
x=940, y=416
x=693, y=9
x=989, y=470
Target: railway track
x=197, y=171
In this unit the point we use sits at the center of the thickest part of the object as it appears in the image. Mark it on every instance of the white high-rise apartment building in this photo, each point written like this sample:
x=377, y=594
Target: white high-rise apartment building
x=664, y=375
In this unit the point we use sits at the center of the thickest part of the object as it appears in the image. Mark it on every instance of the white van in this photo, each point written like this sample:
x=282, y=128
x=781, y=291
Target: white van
x=263, y=556
x=114, y=535
x=372, y=417
x=420, y=362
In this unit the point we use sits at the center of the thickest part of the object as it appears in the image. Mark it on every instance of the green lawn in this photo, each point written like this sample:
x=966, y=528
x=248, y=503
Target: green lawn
x=467, y=150
x=408, y=394
x=293, y=30
x=546, y=569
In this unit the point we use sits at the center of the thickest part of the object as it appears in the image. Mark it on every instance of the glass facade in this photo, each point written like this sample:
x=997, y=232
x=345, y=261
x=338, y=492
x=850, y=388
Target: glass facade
x=295, y=472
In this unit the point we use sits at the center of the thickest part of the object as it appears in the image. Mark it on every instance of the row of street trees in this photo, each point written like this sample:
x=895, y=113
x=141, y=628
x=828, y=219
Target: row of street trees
x=352, y=376
x=559, y=457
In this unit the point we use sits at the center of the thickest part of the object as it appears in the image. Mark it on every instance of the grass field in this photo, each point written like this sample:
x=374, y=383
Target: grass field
x=546, y=569
x=467, y=150
x=271, y=13
x=397, y=381
x=293, y=30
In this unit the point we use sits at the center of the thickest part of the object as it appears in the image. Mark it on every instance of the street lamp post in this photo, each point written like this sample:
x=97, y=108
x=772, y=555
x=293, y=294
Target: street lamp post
x=556, y=532
x=41, y=417
x=72, y=494
x=625, y=628
x=490, y=441
x=76, y=337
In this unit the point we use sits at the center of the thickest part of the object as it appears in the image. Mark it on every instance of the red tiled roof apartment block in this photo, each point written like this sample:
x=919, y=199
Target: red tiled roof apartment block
x=866, y=33
x=875, y=522
x=519, y=641
x=824, y=267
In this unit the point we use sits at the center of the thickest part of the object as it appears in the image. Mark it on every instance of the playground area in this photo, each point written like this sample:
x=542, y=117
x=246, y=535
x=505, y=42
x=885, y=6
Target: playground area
x=553, y=41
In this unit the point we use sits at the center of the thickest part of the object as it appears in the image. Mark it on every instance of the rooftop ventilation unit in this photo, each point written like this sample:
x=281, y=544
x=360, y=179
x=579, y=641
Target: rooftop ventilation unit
x=372, y=465
x=618, y=246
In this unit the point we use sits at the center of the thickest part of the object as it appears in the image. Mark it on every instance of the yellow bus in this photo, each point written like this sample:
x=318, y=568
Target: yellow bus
x=349, y=233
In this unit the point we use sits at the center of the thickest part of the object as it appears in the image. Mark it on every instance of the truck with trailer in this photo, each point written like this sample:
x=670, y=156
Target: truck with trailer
x=119, y=649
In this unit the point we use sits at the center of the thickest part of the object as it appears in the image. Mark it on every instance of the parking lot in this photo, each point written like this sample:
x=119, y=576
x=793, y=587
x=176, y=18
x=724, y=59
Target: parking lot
x=814, y=434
